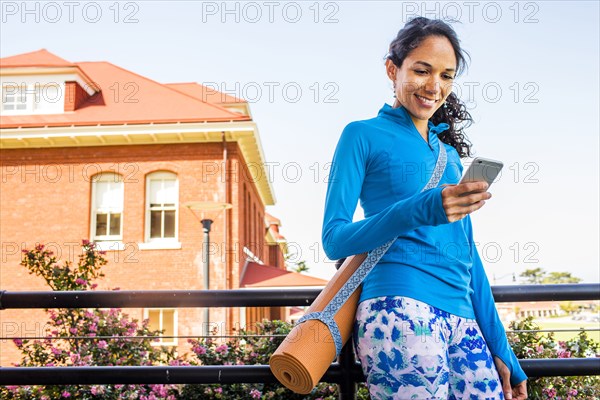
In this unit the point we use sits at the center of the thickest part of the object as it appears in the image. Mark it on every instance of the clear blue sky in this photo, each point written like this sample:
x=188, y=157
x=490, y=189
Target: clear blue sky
x=532, y=88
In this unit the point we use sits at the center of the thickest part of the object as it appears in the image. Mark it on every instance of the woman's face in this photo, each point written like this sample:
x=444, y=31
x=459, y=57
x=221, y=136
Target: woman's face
x=424, y=80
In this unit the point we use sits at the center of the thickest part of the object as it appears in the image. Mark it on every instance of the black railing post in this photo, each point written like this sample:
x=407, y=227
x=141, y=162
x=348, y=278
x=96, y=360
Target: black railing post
x=347, y=383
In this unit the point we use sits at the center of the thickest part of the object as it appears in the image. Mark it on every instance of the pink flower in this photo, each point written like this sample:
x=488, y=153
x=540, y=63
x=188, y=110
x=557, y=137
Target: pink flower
x=540, y=349
x=66, y=394
x=18, y=342
x=563, y=353
x=222, y=348
x=200, y=350
x=161, y=390
x=551, y=393
x=80, y=281
x=219, y=390
x=102, y=344
x=255, y=394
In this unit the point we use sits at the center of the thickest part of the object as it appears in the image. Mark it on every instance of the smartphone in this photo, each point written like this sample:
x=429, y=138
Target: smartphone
x=482, y=169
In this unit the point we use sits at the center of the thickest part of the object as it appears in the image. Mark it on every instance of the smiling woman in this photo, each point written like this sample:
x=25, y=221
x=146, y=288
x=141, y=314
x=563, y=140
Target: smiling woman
x=426, y=324
x=421, y=86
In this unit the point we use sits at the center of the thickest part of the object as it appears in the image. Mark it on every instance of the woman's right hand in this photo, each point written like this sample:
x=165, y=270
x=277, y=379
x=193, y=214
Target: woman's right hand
x=456, y=206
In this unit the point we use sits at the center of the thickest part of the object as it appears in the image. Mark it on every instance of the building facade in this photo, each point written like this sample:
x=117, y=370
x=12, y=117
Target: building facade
x=92, y=151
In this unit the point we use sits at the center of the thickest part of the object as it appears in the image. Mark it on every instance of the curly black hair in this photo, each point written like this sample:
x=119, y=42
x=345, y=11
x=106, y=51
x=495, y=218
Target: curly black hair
x=454, y=112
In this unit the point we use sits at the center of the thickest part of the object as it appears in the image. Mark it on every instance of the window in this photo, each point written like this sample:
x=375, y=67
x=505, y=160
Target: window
x=107, y=207
x=14, y=98
x=162, y=207
x=165, y=320
x=32, y=98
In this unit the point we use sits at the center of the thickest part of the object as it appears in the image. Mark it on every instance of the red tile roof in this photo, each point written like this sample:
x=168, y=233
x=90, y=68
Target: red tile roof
x=125, y=98
x=271, y=220
x=261, y=276
x=273, y=226
x=204, y=93
x=40, y=58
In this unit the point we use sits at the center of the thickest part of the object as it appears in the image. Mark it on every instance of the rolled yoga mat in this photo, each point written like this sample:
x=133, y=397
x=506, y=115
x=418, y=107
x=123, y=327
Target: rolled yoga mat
x=304, y=356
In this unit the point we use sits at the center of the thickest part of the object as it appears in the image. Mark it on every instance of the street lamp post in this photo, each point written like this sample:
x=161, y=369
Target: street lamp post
x=209, y=211
x=206, y=223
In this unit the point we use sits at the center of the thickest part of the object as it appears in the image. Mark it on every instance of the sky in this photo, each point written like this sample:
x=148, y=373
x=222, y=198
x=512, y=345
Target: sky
x=310, y=68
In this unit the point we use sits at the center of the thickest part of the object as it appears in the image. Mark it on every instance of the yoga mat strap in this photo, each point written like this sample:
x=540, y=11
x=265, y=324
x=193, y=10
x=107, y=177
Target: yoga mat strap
x=327, y=315
x=334, y=330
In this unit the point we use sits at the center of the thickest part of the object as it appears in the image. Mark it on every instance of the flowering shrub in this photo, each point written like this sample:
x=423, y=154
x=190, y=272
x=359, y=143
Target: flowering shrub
x=534, y=344
x=251, y=348
x=114, y=336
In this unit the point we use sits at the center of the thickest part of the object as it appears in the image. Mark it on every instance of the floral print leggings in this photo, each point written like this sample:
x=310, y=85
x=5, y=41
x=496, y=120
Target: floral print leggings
x=411, y=350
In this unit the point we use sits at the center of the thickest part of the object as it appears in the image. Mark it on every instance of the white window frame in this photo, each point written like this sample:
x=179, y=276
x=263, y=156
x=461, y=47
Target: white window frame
x=160, y=243
x=108, y=242
x=29, y=98
x=44, y=97
x=164, y=342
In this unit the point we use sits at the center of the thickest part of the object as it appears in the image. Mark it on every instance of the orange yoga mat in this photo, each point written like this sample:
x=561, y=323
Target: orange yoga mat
x=302, y=359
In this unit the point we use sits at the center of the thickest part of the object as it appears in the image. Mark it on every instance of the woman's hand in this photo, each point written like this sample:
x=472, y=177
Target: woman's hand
x=518, y=392
x=456, y=206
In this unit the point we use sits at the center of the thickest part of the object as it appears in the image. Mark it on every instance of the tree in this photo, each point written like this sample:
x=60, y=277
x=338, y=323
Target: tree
x=569, y=307
x=560, y=277
x=534, y=275
x=110, y=335
x=300, y=267
x=539, y=276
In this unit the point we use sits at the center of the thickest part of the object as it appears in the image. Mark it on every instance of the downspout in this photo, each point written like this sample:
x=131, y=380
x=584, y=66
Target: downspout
x=228, y=271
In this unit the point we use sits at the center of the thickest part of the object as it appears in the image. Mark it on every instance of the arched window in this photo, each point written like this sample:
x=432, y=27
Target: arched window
x=107, y=207
x=162, y=206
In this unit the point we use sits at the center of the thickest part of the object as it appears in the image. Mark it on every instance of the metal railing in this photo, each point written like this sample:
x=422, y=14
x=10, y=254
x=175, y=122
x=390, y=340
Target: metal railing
x=346, y=372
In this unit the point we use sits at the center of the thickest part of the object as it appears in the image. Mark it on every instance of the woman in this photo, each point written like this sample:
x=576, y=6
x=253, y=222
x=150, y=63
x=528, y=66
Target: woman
x=426, y=326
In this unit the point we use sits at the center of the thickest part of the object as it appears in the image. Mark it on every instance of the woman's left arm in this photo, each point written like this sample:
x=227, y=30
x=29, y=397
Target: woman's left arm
x=488, y=319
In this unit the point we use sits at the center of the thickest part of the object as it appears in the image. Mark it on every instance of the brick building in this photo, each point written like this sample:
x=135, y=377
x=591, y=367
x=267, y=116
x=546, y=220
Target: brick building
x=92, y=151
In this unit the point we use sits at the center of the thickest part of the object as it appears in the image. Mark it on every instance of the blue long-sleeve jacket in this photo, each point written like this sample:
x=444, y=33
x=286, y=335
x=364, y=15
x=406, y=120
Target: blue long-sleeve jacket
x=384, y=163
